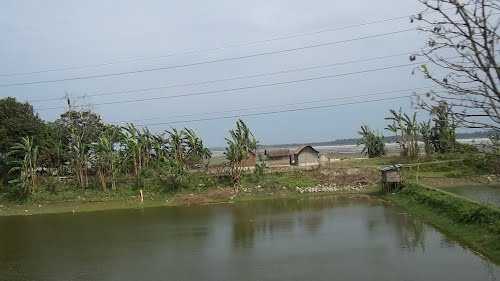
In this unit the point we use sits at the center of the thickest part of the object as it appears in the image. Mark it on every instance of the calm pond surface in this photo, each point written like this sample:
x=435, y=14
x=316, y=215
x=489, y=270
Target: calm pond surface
x=329, y=238
x=489, y=194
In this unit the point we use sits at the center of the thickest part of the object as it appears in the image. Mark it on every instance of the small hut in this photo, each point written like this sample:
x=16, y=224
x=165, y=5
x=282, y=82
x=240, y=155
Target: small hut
x=305, y=155
x=278, y=157
x=391, y=178
x=250, y=161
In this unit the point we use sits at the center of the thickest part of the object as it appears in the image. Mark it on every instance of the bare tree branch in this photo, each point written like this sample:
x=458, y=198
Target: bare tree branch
x=463, y=51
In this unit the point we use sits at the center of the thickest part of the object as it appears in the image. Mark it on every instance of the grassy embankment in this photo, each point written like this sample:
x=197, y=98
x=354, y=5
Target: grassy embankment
x=197, y=188
x=474, y=224
x=202, y=188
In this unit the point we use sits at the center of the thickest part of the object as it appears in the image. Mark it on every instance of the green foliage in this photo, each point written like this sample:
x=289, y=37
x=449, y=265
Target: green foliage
x=78, y=130
x=186, y=148
x=52, y=150
x=374, y=145
x=406, y=130
x=288, y=180
x=87, y=124
x=260, y=170
x=17, y=120
x=24, y=161
x=459, y=209
x=239, y=145
x=106, y=157
x=495, y=144
x=475, y=224
x=426, y=135
x=438, y=133
x=200, y=181
x=443, y=136
x=84, y=150
x=170, y=179
x=483, y=163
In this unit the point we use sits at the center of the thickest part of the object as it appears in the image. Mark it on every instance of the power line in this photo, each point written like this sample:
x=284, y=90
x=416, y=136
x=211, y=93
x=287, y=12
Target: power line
x=226, y=46
x=273, y=112
x=207, y=62
x=243, y=88
x=282, y=105
x=112, y=93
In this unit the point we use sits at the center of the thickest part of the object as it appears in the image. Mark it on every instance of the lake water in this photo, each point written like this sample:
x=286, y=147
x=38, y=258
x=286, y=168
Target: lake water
x=329, y=238
x=489, y=194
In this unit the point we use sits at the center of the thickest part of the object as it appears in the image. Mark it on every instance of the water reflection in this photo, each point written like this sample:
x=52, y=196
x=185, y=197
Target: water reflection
x=343, y=238
x=265, y=218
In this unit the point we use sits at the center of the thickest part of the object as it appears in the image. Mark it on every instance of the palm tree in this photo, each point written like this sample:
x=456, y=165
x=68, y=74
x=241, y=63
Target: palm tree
x=26, y=155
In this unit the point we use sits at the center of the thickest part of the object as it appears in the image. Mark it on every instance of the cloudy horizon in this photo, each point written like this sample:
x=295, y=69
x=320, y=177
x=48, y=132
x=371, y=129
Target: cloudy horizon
x=264, y=61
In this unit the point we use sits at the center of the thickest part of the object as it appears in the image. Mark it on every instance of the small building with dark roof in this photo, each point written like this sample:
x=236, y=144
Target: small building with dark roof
x=278, y=157
x=305, y=155
x=250, y=161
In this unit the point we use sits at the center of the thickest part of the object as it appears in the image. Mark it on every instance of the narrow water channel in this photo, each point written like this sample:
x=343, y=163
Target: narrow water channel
x=329, y=238
x=487, y=194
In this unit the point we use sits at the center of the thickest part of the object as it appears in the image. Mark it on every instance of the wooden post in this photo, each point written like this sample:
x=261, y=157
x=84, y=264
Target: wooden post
x=141, y=196
x=418, y=170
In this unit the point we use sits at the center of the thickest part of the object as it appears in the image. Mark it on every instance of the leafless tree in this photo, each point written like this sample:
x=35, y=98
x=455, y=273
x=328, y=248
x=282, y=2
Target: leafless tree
x=463, y=51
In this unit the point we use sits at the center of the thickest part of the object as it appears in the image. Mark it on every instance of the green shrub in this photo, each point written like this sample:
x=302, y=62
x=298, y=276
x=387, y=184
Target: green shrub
x=281, y=179
x=200, y=181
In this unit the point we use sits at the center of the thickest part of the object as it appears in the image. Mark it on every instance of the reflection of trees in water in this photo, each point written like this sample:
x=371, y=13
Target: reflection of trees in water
x=447, y=243
x=113, y=237
x=409, y=231
x=272, y=217
x=312, y=222
x=490, y=268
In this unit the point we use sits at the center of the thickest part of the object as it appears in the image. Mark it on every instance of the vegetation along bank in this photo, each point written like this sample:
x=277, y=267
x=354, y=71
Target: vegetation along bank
x=474, y=224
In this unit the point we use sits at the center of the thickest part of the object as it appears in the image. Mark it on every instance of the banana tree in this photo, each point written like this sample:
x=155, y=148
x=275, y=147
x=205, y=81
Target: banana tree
x=373, y=143
x=107, y=158
x=411, y=128
x=25, y=155
x=240, y=144
x=132, y=147
x=406, y=130
x=79, y=159
x=425, y=129
x=147, y=140
x=397, y=127
x=196, y=150
x=177, y=148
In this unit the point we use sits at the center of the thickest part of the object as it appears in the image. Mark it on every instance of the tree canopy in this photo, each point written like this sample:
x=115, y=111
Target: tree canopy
x=17, y=120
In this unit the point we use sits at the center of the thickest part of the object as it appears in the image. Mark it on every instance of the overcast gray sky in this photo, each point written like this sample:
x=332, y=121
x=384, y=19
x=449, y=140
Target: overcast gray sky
x=46, y=35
